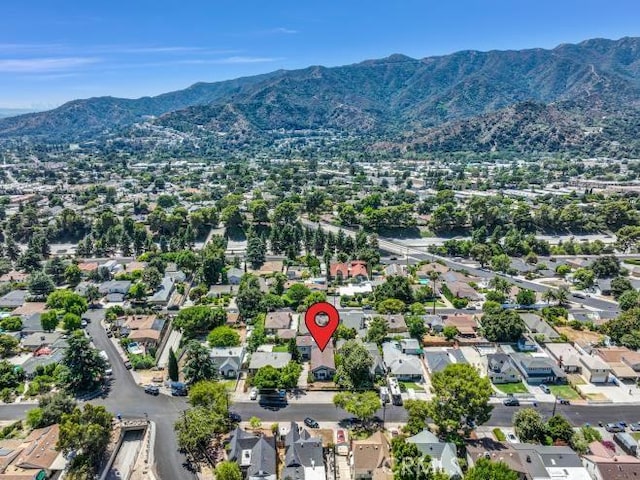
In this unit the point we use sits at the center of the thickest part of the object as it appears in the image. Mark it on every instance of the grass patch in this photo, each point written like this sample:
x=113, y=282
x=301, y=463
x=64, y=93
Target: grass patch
x=636, y=435
x=499, y=434
x=632, y=261
x=281, y=348
x=512, y=387
x=564, y=391
x=407, y=385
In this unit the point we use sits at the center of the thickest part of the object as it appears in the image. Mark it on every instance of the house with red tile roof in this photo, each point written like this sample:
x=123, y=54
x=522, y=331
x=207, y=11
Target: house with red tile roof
x=342, y=271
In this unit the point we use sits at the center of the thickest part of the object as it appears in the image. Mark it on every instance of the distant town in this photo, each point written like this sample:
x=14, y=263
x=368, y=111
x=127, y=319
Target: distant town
x=489, y=318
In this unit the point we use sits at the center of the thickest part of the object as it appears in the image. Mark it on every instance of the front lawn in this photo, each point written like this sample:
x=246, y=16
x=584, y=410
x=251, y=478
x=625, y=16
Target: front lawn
x=512, y=387
x=564, y=391
x=281, y=348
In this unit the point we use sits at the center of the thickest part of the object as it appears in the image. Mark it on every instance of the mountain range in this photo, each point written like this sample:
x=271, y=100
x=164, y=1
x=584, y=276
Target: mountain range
x=572, y=95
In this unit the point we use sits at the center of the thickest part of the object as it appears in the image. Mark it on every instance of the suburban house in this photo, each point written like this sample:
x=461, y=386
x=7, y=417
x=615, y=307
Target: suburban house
x=277, y=321
x=275, y=359
x=434, y=322
x=396, y=324
x=537, y=326
x=604, y=464
x=371, y=458
x=463, y=290
x=44, y=357
x=13, y=299
x=162, y=296
x=531, y=462
x=147, y=330
x=355, y=320
x=37, y=340
x=526, y=344
x=624, y=363
x=227, y=360
x=537, y=370
x=395, y=269
x=403, y=367
x=436, y=360
x=343, y=271
x=115, y=286
x=444, y=456
x=465, y=324
x=35, y=457
x=410, y=346
x=234, y=275
x=304, y=456
x=500, y=369
x=304, y=344
x=255, y=454
x=378, y=367
x=295, y=272
x=594, y=369
x=497, y=452
x=566, y=356
x=322, y=365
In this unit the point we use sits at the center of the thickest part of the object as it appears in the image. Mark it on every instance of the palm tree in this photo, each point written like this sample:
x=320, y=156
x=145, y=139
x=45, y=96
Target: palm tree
x=562, y=296
x=549, y=296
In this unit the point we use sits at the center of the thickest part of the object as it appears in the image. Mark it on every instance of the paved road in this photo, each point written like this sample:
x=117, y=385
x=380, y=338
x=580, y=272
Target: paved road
x=129, y=400
x=416, y=254
x=501, y=415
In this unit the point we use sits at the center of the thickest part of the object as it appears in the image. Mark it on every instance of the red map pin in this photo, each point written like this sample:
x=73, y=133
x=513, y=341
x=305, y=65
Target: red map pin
x=321, y=332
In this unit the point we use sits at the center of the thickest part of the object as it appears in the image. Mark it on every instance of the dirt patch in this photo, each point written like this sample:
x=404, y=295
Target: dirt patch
x=435, y=341
x=581, y=337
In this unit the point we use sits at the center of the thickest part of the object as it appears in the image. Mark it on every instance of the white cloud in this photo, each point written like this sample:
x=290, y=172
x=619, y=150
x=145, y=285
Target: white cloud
x=37, y=65
x=283, y=30
x=228, y=60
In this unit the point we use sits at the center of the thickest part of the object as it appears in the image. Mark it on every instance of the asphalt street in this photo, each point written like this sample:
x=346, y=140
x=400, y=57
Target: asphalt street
x=501, y=416
x=129, y=400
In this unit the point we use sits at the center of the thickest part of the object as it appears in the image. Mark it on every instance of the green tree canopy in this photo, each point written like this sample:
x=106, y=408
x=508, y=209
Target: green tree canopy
x=362, y=405
x=354, y=366
x=85, y=432
x=485, y=469
x=461, y=398
x=502, y=326
x=198, y=364
x=85, y=367
x=529, y=426
x=223, y=336
x=199, y=319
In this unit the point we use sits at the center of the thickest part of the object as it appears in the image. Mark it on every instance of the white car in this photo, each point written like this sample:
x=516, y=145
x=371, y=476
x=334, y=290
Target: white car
x=253, y=395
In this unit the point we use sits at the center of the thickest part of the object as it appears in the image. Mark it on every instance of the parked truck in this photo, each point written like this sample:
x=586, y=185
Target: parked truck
x=626, y=442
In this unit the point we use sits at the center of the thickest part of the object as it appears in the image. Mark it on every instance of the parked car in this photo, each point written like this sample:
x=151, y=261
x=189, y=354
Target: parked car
x=311, y=423
x=340, y=436
x=635, y=427
x=511, y=402
x=614, y=427
x=563, y=401
x=511, y=438
x=108, y=372
x=176, y=392
x=544, y=388
x=127, y=364
x=235, y=417
x=152, y=390
x=253, y=394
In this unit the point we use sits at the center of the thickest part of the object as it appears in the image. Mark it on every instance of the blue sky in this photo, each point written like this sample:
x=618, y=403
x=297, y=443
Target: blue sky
x=54, y=51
